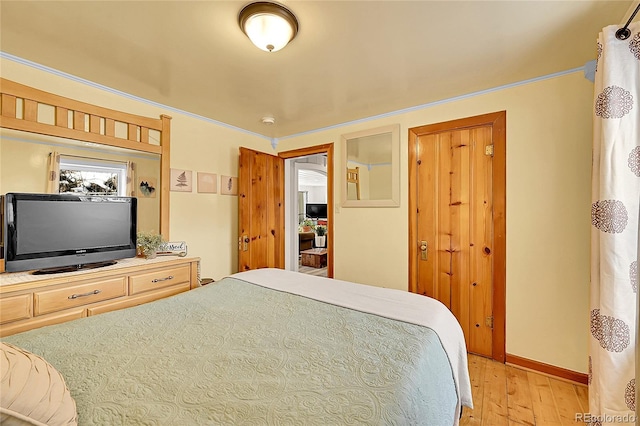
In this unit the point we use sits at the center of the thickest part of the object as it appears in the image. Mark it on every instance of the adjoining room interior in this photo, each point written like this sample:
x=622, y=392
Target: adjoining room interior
x=310, y=213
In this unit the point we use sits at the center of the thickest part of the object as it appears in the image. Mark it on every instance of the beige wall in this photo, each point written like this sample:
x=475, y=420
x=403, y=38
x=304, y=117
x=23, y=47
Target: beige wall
x=380, y=182
x=207, y=222
x=549, y=132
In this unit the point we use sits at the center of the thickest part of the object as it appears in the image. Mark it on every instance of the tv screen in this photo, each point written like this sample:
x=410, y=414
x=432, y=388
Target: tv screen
x=316, y=211
x=56, y=230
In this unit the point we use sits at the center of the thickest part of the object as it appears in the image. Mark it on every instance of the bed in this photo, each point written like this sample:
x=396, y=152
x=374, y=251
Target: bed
x=264, y=347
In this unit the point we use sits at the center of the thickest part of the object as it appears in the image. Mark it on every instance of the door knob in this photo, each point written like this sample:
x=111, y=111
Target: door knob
x=423, y=250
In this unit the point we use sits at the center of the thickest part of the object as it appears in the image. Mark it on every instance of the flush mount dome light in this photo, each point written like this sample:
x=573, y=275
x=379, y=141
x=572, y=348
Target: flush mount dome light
x=269, y=26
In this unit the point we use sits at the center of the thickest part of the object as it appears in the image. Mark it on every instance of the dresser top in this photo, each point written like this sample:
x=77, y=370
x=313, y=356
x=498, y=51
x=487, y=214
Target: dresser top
x=12, y=278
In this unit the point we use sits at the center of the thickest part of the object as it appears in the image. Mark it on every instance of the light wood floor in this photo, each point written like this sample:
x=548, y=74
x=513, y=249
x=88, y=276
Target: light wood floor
x=507, y=395
x=318, y=272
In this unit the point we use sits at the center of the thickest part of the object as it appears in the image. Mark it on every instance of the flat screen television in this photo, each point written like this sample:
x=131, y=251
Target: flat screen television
x=316, y=211
x=59, y=232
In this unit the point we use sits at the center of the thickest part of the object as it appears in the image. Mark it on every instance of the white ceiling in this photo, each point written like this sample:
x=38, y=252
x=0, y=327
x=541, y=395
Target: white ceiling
x=308, y=177
x=350, y=60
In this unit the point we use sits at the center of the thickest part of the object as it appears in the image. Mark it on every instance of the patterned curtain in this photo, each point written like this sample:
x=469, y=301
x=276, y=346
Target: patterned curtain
x=53, y=173
x=131, y=179
x=614, y=234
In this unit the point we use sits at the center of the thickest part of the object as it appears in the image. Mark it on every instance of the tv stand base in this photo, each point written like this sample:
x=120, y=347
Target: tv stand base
x=73, y=268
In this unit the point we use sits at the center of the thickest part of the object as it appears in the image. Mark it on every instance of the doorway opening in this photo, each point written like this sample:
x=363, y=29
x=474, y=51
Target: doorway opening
x=308, y=177
x=310, y=213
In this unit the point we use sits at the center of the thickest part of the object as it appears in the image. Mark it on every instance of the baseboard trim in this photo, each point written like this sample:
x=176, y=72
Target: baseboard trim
x=551, y=370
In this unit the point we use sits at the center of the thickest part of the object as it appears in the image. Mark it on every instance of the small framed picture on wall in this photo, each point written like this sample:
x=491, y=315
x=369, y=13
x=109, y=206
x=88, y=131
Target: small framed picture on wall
x=207, y=183
x=181, y=180
x=147, y=187
x=228, y=185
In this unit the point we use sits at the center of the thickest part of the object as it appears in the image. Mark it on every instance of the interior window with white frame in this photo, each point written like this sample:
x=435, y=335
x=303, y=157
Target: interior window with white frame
x=88, y=176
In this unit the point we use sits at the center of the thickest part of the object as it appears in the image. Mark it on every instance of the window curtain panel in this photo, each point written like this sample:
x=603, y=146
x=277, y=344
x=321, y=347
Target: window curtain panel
x=131, y=179
x=53, y=173
x=614, y=231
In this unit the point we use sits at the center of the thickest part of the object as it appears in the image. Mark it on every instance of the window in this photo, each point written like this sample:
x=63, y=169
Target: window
x=92, y=177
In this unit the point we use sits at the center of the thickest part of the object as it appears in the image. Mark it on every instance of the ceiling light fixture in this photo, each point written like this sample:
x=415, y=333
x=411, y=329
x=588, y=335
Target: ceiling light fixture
x=270, y=26
x=268, y=120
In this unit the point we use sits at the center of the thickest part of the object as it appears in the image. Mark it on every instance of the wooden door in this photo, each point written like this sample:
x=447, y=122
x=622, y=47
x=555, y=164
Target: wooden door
x=260, y=210
x=453, y=231
x=454, y=219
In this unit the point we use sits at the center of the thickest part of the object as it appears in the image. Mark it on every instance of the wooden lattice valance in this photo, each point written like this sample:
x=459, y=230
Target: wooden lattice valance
x=31, y=110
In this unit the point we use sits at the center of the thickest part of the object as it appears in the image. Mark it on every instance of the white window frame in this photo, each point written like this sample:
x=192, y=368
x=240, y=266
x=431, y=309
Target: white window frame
x=100, y=166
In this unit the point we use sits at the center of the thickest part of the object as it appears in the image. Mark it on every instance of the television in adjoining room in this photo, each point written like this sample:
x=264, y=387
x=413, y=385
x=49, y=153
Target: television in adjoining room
x=60, y=233
x=316, y=211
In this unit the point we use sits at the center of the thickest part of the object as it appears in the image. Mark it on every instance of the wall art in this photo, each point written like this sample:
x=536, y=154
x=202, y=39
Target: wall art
x=207, y=183
x=228, y=185
x=147, y=187
x=181, y=180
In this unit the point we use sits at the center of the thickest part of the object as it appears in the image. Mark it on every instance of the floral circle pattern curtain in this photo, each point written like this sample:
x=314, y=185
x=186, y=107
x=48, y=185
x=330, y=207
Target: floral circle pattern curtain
x=614, y=231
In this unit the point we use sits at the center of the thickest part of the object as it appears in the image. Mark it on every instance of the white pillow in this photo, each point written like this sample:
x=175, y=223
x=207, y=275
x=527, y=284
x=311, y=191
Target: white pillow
x=32, y=392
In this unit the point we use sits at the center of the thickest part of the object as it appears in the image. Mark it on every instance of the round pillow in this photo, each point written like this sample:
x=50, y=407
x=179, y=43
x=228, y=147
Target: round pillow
x=32, y=392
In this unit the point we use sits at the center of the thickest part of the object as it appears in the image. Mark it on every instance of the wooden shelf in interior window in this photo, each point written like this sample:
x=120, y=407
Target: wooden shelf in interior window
x=353, y=176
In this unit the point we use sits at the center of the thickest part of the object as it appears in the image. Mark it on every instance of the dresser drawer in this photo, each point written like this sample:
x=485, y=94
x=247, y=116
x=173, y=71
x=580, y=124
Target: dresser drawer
x=69, y=297
x=128, y=302
x=160, y=278
x=15, y=308
x=41, y=321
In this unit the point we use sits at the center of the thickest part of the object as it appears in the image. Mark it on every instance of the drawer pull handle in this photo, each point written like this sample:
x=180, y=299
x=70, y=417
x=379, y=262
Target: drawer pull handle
x=157, y=280
x=75, y=296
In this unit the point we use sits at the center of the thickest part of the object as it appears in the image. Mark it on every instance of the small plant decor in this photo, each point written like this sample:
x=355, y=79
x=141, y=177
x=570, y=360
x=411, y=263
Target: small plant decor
x=321, y=239
x=149, y=243
x=307, y=225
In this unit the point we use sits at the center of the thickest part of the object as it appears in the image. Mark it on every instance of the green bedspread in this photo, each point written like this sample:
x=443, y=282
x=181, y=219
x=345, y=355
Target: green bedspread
x=238, y=353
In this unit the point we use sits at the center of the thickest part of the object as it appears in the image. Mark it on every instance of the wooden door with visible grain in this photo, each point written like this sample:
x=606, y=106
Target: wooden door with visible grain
x=260, y=210
x=455, y=228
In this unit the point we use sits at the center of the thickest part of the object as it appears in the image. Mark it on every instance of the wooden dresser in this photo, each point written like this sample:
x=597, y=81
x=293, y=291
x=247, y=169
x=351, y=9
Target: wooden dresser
x=31, y=301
